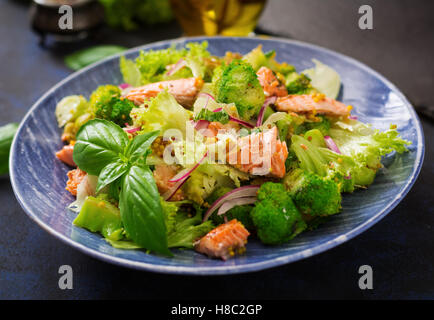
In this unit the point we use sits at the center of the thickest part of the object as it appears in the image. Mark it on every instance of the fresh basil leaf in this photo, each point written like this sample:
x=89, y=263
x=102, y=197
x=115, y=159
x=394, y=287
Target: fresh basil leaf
x=82, y=58
x=137, y=149
x=141, y=211
x=99, y=142
x=110, y=173
x=7, y=133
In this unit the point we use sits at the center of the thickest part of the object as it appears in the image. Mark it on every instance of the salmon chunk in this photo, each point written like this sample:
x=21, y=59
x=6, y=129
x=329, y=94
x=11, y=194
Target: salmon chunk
x=75, y=177
x=260, y=154
x=224, y=241
x=312, y=103
x=65, y=154
x=162, y=174
x=270, y=83
x=183, y=90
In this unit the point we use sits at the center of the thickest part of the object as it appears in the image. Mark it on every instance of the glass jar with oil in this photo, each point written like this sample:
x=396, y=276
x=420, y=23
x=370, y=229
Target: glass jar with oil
x=217, y=17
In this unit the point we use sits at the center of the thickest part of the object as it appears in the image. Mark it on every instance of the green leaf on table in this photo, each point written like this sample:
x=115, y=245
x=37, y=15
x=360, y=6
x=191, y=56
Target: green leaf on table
x=7, y=133
x=85, y=57
x=141, y=210
x=99, y=142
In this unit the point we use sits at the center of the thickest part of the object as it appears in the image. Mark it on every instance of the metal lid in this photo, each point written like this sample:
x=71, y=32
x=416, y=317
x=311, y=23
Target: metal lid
x=58, y=3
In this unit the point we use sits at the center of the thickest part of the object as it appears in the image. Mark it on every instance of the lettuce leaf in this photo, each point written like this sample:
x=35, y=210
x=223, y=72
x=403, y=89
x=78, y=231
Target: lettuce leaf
x=152, y=65
x=361, y=149
x=366, y=145
x=324, y=78
x=162, y=113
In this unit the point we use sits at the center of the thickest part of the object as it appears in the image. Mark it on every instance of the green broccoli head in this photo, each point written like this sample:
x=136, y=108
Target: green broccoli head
x=298, y=84
x=239, y=84
x=241, y=213
x=313, y=195
x=106, y=103
x=275, y=216
x=322, y=125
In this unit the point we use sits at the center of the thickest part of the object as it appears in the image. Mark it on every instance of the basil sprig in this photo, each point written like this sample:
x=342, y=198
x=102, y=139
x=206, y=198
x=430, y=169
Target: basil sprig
x=103, y=149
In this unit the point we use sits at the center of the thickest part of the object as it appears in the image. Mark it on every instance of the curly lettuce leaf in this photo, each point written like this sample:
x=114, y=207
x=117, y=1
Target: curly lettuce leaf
x=361, y=150
x=162, y=113
x=366, y=145
x=152, y=65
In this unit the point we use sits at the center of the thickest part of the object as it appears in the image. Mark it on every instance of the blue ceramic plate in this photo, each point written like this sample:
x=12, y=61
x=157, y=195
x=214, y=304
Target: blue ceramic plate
x=38, y=178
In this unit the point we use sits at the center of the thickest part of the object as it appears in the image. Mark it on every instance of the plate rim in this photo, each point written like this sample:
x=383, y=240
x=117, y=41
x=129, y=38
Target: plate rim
x=230, y=269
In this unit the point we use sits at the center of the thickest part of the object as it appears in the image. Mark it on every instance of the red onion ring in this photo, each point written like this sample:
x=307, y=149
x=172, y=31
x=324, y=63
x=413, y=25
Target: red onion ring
x=178, y=66
x=228, y=205
x=183, y=174
x=207, y=94
x=267, y=102
x=245, y=191
x=169, y=193
x=331, y=144
x=242, y=122
x=124, y=86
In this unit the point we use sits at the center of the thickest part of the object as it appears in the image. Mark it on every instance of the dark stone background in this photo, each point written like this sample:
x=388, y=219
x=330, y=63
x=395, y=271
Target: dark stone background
x=400, y=248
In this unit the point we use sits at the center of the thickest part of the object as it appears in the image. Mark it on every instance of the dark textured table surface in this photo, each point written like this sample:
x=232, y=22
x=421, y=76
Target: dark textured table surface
x=400, y=248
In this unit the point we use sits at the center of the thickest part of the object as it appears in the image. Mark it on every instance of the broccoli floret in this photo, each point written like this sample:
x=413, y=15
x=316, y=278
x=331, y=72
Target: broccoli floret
x=106, y=103
x=322, y=125
x=211, y=116
x=313, y=195
x=275, y=216
x=187, y=230
x=239, y=84
x=298, y=83
x=241, y=213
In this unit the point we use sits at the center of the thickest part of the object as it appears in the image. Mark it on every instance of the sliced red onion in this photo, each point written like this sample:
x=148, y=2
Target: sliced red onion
x=245, y=191
x=228, y=205
x=132, y=130
x=201, y=124
x=353, y=117
x=183, y=174
x=331, y=144
x=169, y=193
x=207, y=94
x=124, y=85
x=242, y=122
x=178, y=66
x=348, y=177
x=267, y=102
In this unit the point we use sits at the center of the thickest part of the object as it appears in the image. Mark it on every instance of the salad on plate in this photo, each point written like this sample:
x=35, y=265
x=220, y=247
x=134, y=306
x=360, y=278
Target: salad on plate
x=203, y=152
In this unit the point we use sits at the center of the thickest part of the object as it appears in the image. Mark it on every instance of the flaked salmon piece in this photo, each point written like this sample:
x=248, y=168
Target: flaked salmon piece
x=270, y=83
x=183, y=90
x=162, y=174
x=312, y=103
x=75, y=177
x=224, y=241
x=260, y=154
x=65, y=155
